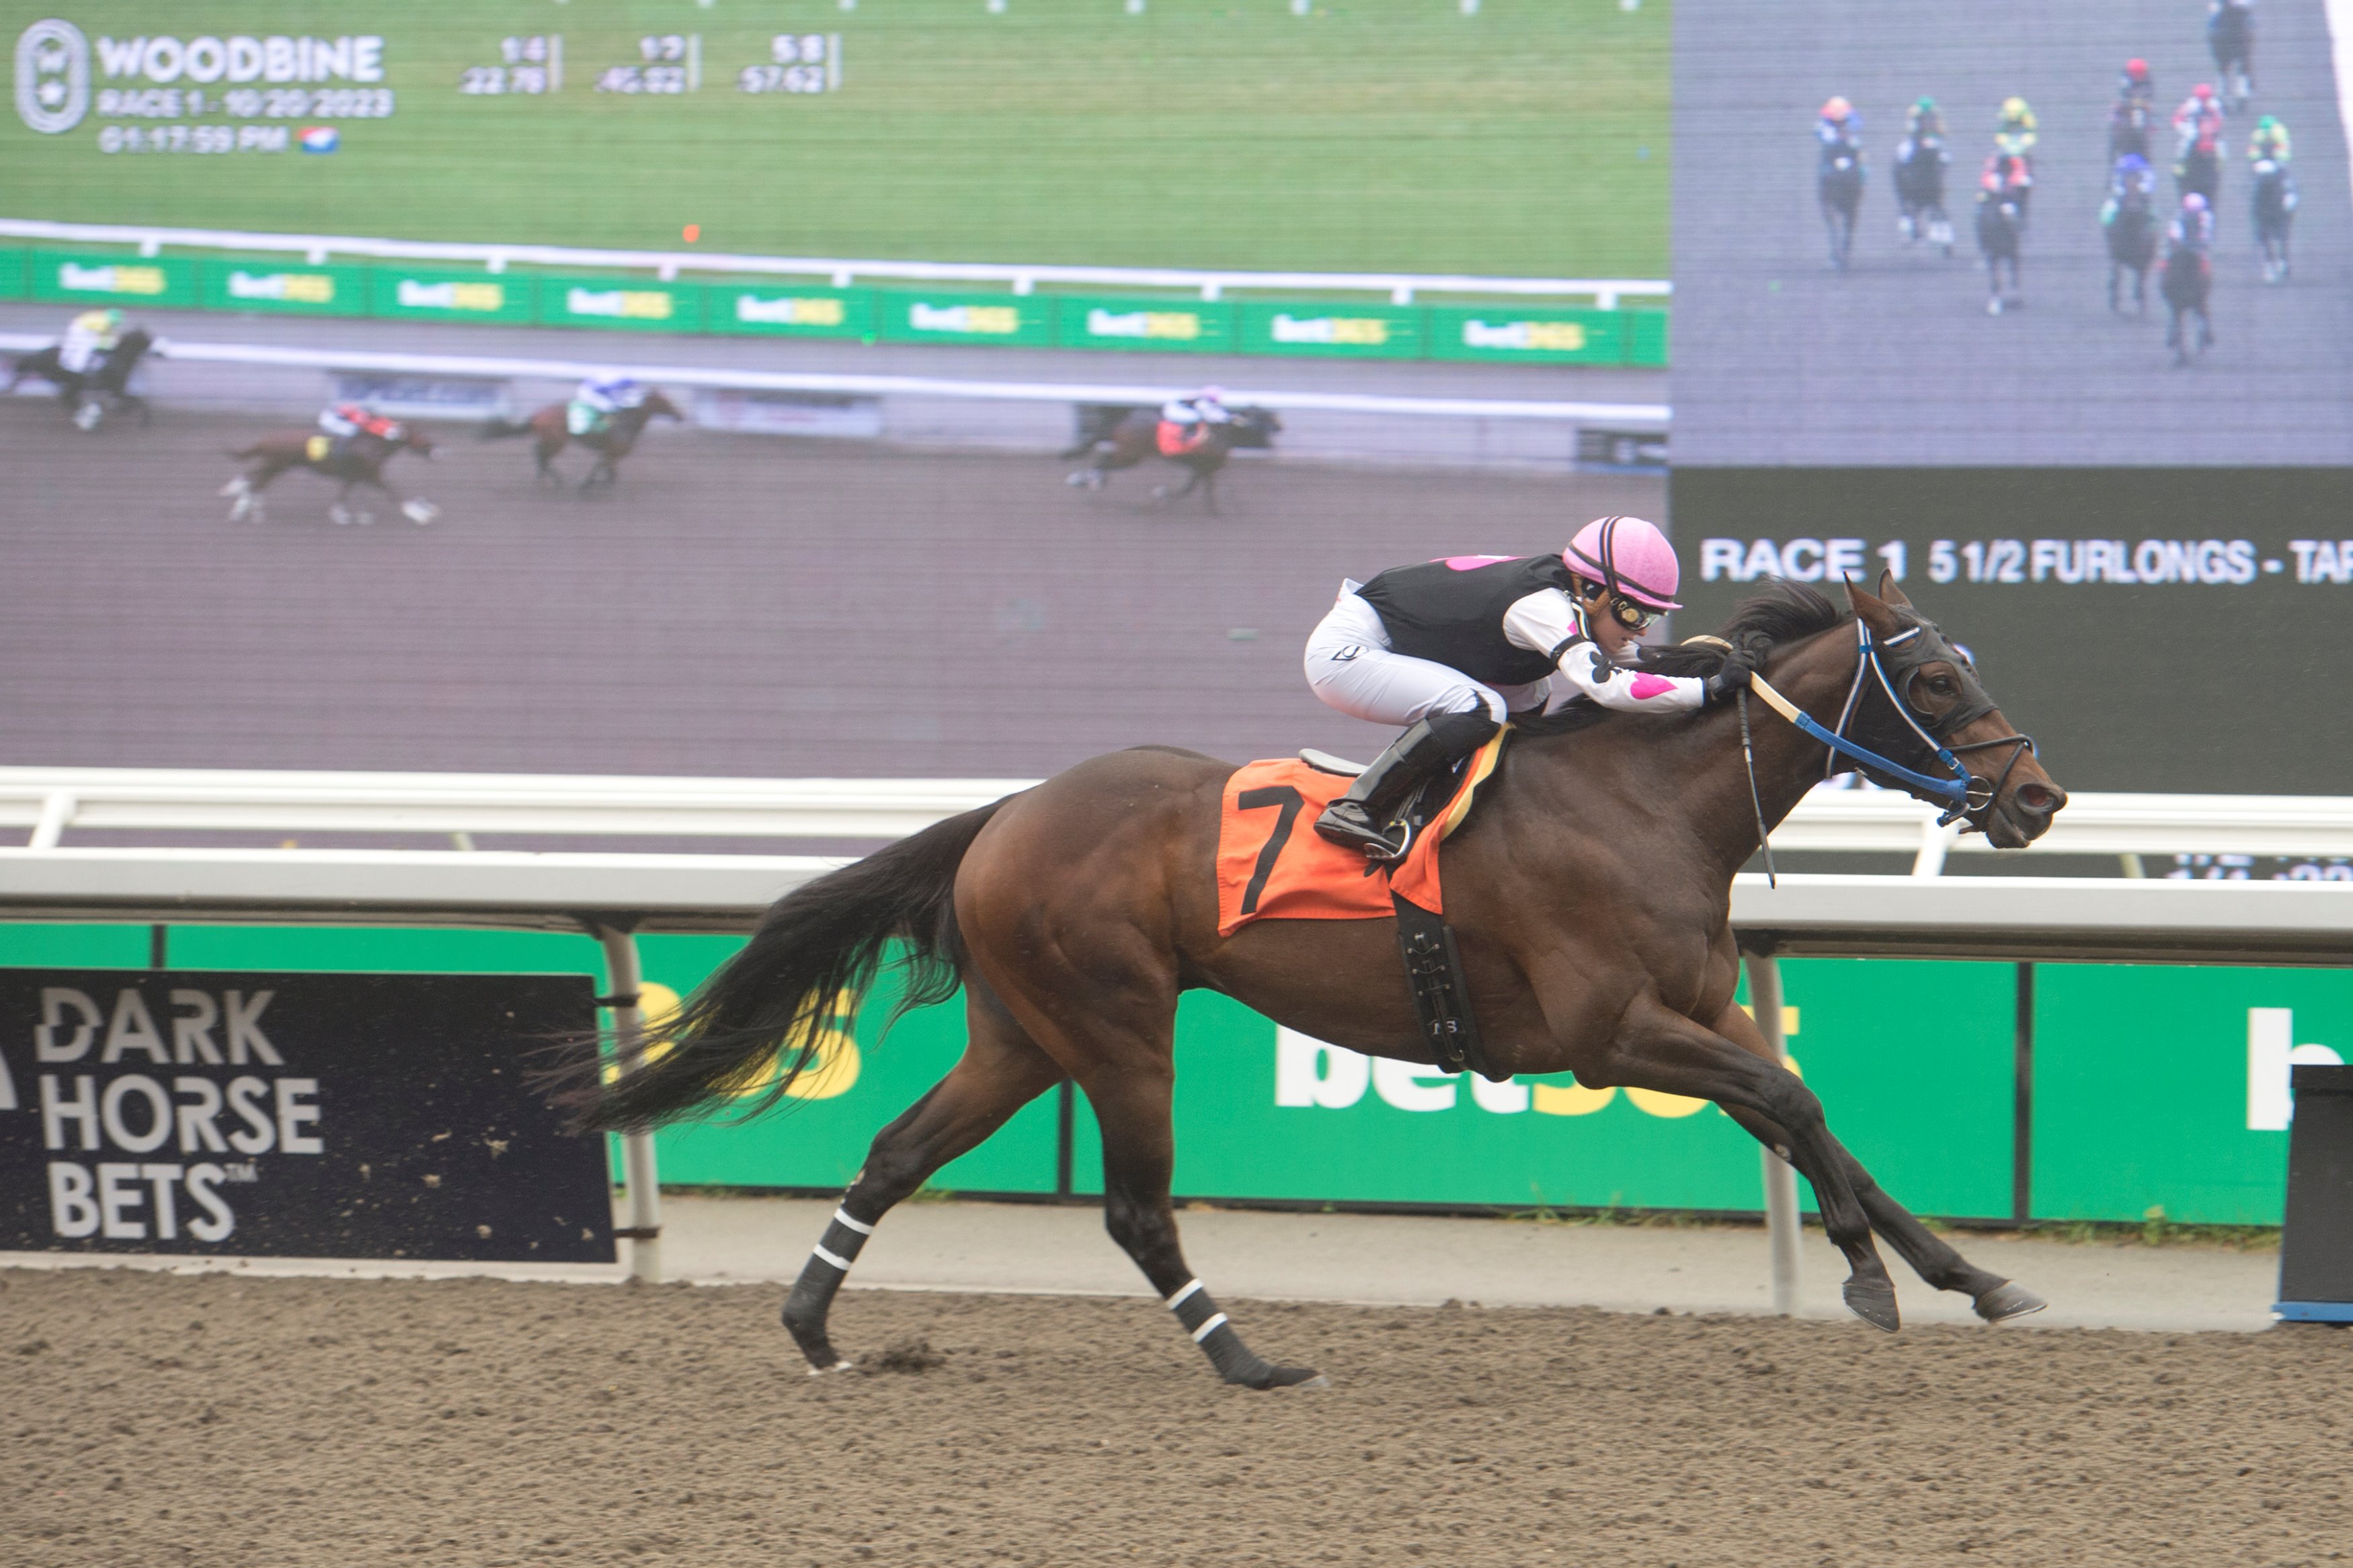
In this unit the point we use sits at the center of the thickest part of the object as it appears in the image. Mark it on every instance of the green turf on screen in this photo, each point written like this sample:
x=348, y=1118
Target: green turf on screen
x=1372, y=136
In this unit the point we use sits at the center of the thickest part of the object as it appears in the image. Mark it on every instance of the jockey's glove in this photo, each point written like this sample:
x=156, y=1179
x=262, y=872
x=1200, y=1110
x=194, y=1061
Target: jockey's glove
x=1733, y=677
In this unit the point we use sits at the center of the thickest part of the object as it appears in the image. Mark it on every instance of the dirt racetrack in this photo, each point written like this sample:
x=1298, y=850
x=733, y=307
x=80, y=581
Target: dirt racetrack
x=201, y=1420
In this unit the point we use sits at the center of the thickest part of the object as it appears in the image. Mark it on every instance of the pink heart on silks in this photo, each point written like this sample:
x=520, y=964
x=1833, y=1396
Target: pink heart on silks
x=1646, y=685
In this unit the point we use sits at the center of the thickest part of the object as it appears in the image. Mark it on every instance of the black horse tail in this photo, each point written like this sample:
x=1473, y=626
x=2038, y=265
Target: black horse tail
x=755, y=1024
x=500, y=429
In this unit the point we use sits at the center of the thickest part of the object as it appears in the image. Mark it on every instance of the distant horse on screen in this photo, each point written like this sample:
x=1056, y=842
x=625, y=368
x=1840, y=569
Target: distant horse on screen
x=552, y=427
x=2131, y=250
x=2188, y=281
x=358, y=460
x=1124, y=440
x=1839, y=191
x=2000, y=221
x=87, y=395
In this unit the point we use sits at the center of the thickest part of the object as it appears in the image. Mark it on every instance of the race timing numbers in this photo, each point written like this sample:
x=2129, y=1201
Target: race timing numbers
x=798, y=62
x=529, y=65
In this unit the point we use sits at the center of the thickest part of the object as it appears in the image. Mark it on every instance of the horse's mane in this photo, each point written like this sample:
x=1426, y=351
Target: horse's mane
x=1781, y=611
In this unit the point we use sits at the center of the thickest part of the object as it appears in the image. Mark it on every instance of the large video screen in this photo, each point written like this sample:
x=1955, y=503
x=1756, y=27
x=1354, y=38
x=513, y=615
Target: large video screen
x=916, y=295
x=1890, y=286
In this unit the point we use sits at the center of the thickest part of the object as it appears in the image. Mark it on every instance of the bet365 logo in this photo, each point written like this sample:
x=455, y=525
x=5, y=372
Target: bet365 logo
x=52, y=77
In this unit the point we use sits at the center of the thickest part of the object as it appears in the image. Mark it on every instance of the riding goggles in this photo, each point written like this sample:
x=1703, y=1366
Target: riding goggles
x=1634, y=617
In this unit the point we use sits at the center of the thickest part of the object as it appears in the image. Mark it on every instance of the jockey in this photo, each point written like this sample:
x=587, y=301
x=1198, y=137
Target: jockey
x=2133, y=175
x=1839, y=129
x=1453, y=647
x=1924, y=119
x=2269, y=144
x=2007, y=175
x=1206, y=406
x=2194, y=226
x=2199, y=122
x=346, y=422
x=88, y=336
x=600, y=397
x=1188, y=419
x=2135, y=83
x=2014, y=133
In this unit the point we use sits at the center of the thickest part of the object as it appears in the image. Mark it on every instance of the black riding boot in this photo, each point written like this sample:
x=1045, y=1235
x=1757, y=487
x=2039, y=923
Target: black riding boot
x=1364, y=817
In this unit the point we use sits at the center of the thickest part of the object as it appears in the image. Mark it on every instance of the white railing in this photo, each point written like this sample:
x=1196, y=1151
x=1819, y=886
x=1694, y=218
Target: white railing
x=48, y=802
x=616, y=896
x=1211, y=282
x=501, y=368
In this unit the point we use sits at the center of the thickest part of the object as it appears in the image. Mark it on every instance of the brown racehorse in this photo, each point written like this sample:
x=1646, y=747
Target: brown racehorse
x=1137, y=435
x=1589, y=887
x=552, y=428
x=359, y=461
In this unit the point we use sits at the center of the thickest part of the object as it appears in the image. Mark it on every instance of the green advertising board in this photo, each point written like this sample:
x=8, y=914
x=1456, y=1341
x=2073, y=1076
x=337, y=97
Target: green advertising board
x=1263, y=1113
x=1512, y=335
x=788, y=312
x=272, y=286
x=912, y=316
x=631, y=304
x=12, y=284
x=2168, y=1087
x=2153, y=1087
x=1646, y=338
x=434, y=294
x=1086, y=322
x=1355, y=331
x=123, y=280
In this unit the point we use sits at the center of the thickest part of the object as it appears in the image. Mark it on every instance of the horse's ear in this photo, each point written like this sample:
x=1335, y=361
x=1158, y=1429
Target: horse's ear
x=1890, y=592
x=1873, y=610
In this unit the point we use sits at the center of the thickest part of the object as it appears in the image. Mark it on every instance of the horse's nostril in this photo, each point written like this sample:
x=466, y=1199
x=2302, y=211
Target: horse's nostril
x=2039, y=800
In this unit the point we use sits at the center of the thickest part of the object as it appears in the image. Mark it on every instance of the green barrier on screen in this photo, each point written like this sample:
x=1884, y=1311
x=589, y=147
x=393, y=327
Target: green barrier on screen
x=114, y=280
x=1518, y=334
x=14, y=275
x=421, y=294
x=1360, y=332
x=908, y=316
x=1646, y=338
x=797, y=312
x=274, y=287
x=1086, y=322
x=2166, y=1087
x=631, y=303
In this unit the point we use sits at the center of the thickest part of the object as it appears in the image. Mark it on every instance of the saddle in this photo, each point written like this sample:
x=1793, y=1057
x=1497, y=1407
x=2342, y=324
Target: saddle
x=1177, y=440
x=1270, y=867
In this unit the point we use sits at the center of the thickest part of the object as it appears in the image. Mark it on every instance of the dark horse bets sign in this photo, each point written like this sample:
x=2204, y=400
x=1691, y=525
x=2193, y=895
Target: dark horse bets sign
x=376, y=1116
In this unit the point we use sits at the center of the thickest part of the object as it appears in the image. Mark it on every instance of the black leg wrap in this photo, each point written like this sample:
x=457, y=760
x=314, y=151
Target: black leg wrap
x=1236, y=1361
x=811, y=1300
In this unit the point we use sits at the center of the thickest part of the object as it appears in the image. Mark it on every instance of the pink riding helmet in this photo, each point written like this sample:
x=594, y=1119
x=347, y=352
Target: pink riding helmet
x=1628, y=556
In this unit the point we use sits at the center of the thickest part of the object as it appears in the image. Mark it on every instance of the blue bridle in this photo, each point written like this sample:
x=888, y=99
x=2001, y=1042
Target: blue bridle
x=1959, y=790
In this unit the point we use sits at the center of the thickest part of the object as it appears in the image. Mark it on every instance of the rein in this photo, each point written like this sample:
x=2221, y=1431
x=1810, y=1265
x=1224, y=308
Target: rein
x=1959, y=793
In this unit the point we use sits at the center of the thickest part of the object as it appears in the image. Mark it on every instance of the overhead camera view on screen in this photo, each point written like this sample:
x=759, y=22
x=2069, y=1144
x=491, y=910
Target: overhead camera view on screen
x=2116, y=232
x=1390, y=781
x=1098, y=347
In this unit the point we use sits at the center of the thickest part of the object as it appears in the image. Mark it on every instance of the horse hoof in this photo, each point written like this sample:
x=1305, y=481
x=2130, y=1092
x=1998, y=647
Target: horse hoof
x=2007, y=1301
x=1286, y=1377
x=1874, y=1300
x=338, y=515
x=419, y=513
x=236, y=486
x=845, y=1365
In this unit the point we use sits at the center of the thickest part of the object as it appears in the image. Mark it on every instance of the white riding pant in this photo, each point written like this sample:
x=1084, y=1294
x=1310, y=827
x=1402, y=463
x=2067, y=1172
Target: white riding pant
x=79, y=353
x=1351, y=666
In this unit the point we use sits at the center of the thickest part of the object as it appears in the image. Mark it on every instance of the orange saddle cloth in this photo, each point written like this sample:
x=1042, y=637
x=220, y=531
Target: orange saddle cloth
x=1274, y=864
